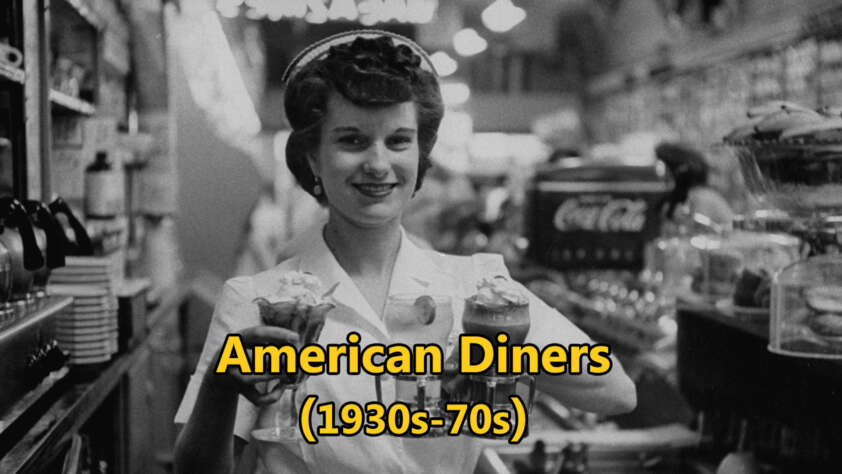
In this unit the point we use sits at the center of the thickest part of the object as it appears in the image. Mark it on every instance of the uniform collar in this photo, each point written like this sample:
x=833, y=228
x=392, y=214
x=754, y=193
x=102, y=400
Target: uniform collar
x=414, y=272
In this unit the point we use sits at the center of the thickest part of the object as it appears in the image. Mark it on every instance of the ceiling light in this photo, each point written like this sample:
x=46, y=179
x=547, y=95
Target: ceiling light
x=343, y=10
x=444, y=64
x=455, y=93
x=468, y=42
x=229, y=8
x=502, y=16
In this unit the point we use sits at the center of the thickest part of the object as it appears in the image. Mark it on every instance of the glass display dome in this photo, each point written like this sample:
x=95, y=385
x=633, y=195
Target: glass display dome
x=802, y=177
x=807, y=309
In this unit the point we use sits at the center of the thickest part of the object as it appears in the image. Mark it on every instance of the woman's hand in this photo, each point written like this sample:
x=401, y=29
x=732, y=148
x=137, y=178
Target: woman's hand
x=248, y=384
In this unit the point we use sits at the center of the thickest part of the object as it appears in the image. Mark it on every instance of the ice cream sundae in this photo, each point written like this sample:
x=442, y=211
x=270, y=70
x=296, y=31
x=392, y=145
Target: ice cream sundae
x=499, y=305
x=300, y=304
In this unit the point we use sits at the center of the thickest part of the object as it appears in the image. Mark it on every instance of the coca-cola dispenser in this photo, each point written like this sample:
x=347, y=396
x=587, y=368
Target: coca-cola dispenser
x=594, y=215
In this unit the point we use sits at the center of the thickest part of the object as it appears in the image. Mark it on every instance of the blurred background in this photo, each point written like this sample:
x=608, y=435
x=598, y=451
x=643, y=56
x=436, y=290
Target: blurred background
x=665, y=173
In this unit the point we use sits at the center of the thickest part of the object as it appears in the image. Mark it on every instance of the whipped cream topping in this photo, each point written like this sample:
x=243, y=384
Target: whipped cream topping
x=500, y=291
x=299, y=287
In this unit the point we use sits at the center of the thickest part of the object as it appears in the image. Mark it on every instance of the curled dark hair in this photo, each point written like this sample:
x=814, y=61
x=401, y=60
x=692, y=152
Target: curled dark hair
x=369, y=73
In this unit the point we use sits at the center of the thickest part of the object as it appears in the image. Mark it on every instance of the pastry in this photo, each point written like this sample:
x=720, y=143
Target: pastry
x=825, y=305
x=828, y=325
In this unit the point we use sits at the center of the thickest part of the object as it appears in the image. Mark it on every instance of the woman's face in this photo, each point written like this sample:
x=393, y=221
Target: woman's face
x=367, y=160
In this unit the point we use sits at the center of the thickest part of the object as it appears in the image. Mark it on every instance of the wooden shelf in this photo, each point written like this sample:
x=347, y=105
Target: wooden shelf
x=68, y=414
x=66, y=104
x=12, y=73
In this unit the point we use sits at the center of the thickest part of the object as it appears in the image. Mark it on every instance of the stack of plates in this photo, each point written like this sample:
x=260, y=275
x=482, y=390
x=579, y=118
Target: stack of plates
x=97, y=271
x=88, y=329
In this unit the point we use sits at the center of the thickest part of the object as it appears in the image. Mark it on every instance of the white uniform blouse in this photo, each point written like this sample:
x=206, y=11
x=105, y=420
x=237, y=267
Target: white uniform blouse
x=416, y=270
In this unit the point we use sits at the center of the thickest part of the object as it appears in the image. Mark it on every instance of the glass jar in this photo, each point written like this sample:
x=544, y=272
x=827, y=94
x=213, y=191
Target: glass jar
x=807, y=309
x=736, y=266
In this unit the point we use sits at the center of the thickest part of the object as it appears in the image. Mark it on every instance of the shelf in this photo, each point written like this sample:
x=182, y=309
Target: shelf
x=709, y=50
x=63, y=103
x=73, y=408
x=12, y=73
x=53, y=305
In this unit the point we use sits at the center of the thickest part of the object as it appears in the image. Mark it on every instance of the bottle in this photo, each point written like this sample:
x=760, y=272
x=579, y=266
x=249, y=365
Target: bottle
x=103, y=188
x=575, y=459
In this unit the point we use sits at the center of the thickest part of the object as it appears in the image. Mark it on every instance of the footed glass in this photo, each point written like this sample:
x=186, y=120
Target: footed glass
x=418, y=319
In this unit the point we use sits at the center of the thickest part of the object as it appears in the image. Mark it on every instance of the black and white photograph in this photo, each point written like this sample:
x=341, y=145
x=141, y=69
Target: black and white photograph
x=420, y=236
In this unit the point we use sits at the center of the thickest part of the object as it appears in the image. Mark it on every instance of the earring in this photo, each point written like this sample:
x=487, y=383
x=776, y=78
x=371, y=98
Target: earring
x=317, y=187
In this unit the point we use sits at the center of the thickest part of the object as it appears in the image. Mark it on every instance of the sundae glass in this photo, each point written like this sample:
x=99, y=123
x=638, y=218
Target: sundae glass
x=499, y=305
x=299, y=305
x=418, y=319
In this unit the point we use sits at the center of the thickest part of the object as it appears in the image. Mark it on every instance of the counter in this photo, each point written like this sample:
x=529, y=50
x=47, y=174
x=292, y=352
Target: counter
x=792, y=406
x=76, y=403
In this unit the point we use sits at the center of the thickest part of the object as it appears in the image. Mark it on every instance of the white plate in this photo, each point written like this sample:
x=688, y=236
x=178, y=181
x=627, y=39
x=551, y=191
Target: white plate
x=80, y=261
x=86, y=281
x=97, y=313
x=101, y=312
x=82, y=291
x=76, y=335
x=84, y=327
x=104, y=305
x=80, y=275
x=86, y=349
x=89, y=359
x=87, y=308
x=70, y=333
x=104, y=322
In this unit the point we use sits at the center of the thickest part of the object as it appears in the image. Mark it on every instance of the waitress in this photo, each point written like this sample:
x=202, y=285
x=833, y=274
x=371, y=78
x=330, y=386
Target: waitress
x=364, y=108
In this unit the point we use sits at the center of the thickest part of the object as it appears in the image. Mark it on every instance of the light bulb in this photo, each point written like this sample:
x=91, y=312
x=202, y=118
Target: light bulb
x=502, y=16
x=455, y=93
x=444, y=64
x=468, y=42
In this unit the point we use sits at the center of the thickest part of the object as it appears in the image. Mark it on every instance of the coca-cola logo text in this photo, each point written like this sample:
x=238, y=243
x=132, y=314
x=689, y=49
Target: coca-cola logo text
x=615, y=215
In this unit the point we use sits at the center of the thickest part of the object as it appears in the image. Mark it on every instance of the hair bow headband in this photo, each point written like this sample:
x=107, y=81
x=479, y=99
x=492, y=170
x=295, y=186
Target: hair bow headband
x=320, y=48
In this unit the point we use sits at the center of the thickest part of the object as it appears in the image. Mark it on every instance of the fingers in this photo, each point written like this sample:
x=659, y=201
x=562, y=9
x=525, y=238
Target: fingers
x=259, y=398
x=268, y=335
x=248, y=379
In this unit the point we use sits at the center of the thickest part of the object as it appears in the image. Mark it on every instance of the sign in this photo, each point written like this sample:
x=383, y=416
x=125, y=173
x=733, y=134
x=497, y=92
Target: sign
x=366, y=12
x=594, y=217
x=608, y=215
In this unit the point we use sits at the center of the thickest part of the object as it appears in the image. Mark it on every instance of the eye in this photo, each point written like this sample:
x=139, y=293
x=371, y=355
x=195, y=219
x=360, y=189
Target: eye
x=353, y=141
x=399, y=142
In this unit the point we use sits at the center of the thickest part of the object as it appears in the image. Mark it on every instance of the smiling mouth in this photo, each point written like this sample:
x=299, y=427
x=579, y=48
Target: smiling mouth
x=375, y=189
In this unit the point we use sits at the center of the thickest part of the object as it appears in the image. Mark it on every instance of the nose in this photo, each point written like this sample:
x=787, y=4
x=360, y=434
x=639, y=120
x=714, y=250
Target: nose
x=377, y=162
